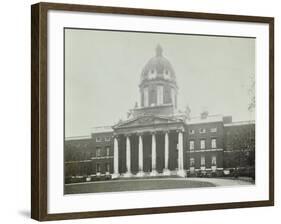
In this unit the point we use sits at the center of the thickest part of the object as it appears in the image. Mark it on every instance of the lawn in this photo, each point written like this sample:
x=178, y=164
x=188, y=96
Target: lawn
x=134, y=185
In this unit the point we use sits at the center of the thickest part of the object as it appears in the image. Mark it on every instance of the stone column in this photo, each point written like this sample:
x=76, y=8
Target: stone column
x=140, y=173
x=115, y=158
x=180, y=156
x=153, y=155
x=166, y=170
x=128, y=157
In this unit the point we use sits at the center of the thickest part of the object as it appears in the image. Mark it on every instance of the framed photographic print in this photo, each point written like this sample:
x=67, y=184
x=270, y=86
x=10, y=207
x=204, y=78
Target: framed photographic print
x=141, y=111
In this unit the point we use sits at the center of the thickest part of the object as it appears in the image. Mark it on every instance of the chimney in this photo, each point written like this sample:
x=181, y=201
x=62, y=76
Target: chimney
x=227, y=119
x=204, y=114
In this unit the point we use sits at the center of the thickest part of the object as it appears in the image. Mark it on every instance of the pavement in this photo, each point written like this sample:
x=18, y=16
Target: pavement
x=224, y=181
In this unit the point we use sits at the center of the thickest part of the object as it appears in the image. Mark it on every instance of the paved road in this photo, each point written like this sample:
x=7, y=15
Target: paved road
x=149, y=184
x=224, y=182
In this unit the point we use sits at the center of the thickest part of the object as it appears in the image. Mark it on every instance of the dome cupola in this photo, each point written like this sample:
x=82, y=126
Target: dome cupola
x=158, y=67
x=158, y=82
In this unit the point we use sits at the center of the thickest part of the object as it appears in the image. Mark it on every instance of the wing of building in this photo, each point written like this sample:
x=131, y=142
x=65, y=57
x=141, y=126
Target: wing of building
x=157, y=139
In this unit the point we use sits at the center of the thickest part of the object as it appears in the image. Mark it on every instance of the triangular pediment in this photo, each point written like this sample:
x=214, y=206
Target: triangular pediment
x=145, y=121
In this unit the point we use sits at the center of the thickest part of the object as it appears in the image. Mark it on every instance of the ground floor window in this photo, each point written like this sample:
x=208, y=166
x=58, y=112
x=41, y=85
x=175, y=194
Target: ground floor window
x=98, y=168
x=107, y=167
x=192, y=163
x=214, y=160
x=202, y=160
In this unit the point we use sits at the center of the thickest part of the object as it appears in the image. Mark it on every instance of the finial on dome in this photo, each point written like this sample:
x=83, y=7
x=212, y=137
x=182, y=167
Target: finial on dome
x=159, y=50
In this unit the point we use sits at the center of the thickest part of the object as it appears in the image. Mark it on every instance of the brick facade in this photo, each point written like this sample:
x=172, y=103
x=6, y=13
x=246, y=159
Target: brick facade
x=233, y=148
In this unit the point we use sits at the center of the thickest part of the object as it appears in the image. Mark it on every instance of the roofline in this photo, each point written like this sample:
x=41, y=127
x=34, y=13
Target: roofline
x=77, y=137
x=117, y=126
x=237, y=123
x=101, y=129
x=156, y=106
x=205, y=120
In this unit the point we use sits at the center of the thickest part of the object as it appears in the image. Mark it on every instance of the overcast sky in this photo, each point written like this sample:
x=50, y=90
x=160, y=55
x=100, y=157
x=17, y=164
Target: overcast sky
x=102, y=74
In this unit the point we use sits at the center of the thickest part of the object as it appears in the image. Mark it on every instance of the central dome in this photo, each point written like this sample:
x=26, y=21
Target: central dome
x=158, y=67
x=158, y=85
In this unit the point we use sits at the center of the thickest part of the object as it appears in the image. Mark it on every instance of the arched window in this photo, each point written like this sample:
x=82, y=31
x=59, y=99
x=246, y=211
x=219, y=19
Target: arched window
x=152, y=96
x=167, y=95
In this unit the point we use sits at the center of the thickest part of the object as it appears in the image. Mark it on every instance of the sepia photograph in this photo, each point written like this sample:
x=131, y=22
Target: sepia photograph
x=155, y=111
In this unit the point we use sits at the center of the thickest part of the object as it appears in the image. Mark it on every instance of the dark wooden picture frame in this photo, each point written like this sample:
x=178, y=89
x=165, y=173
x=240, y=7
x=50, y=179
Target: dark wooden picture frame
x=39, y=108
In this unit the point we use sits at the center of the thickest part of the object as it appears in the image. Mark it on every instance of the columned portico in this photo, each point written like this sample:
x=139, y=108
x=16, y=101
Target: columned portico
x=152, y=150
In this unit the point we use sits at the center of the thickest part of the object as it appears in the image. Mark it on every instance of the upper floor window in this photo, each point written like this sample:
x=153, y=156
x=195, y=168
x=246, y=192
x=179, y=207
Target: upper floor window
x=202, y=160
x=192, y=162
x=191, y=131
x=98, y=152
x=191, y=145
x=202, y=144
x=214, y=143
x=98, y=139
x=107, y=151
x=202, y=130
x=107, y=138
x=213, y=130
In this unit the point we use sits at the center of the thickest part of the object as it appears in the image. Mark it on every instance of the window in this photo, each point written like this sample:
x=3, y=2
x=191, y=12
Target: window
x=98, y=151
x=192, y=162
x=152, y=74
x=213, y=130
x=191, y=131
x=107, y=138
x=202, y=130
x=214, y=143
x=202, y=144
x=107, y=151
x=145, y=95
x=152, y=96
x=98, y=167
x=167, y=95
x=160, y=93
x=191, y=145
x=107, y=167
x=166, y=74
x=214, y=160
x=202, y=160
x=98, y=139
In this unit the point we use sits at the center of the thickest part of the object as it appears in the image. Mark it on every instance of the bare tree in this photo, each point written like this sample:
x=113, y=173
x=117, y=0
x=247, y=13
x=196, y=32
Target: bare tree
x=252, y=95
